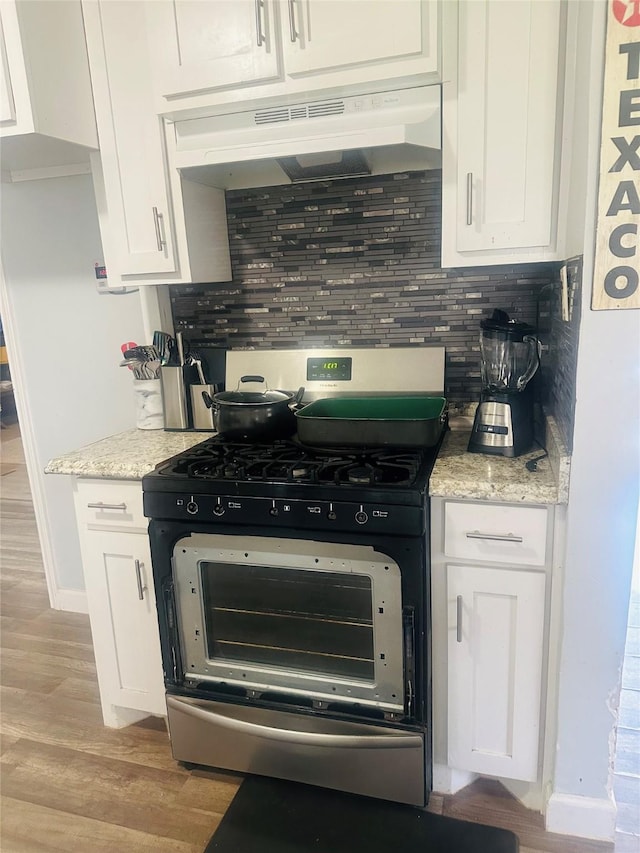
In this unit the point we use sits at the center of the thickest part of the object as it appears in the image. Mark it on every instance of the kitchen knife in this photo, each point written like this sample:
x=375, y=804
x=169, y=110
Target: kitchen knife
x=180, y=348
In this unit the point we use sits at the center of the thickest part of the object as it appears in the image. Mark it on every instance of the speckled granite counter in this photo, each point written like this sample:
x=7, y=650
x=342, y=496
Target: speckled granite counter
x=459, y=474
x=126, y=456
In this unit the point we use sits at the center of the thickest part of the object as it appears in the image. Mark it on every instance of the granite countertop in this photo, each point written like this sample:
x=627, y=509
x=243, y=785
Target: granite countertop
x=457, y=474
x=477, y=476
x=126, y=456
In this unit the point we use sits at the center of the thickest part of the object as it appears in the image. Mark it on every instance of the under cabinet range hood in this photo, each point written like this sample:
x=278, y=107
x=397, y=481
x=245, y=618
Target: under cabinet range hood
x=337, y=137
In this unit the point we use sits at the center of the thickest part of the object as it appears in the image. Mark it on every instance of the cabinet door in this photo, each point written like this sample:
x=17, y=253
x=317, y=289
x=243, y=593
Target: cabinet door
x=132, y=155
x=119, y=581
x=506, y=124
x=319, y=35
x=496, y=637
x=204, y=45
x=7, y=104
x=15, y=102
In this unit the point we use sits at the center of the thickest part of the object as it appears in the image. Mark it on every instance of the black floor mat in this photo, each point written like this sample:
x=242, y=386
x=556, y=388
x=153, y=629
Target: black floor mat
x=272, y=816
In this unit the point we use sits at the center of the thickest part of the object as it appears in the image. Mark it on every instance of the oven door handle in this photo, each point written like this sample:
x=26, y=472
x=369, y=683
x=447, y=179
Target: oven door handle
x=395, y=740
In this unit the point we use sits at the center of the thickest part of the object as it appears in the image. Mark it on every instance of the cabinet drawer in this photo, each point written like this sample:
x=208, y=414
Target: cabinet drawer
x=496, y=533
x=110, y=504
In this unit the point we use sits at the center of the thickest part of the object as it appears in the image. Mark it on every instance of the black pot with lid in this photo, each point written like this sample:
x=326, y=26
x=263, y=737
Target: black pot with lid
x=267, y=414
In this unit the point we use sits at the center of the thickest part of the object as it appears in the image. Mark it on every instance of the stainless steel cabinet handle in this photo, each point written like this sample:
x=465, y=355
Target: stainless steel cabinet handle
x=158, y=220
x=459, y=619
x=194, y=708
x=293, y=33
x=141, y=588
x=260, y=36
x=496, y=537
x=469, y=198
x=100, y=505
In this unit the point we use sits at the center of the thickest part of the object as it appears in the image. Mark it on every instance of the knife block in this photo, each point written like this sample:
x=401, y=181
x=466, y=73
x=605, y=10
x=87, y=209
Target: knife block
x=174, y=398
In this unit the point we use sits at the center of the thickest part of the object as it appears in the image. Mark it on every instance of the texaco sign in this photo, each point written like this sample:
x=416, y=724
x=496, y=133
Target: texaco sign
x=616, y=282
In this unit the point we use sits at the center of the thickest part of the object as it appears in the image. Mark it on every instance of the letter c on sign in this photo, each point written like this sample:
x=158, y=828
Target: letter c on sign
x=615, y=240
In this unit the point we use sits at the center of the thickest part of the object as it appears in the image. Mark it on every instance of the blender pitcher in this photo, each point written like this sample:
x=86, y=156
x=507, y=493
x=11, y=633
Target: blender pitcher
x=509, y=356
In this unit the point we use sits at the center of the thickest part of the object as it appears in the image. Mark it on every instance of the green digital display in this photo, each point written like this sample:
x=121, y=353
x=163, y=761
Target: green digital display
x=336, y=369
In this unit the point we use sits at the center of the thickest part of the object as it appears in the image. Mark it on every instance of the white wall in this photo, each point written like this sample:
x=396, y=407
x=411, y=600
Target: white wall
x=67, y=338
x=602, y=512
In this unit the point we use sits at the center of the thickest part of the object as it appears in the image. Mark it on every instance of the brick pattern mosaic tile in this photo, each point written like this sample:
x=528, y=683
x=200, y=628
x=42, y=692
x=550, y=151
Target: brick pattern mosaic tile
x=560, y=355
x=353, y=262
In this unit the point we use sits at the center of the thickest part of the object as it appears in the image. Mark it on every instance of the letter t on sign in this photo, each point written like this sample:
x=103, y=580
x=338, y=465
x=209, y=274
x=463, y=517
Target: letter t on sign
x=616, y=277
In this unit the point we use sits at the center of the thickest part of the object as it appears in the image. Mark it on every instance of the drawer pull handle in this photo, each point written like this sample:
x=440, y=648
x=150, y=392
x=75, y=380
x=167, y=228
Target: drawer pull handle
x=99, y=505
x=141, y=588
x=459, y=619
x=496, y=537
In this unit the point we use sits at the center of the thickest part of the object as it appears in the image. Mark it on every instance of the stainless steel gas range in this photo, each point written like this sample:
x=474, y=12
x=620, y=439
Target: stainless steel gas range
x=292, y=585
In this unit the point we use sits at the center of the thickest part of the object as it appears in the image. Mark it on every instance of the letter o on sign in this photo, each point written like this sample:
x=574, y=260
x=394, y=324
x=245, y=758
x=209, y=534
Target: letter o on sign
x=611, y=282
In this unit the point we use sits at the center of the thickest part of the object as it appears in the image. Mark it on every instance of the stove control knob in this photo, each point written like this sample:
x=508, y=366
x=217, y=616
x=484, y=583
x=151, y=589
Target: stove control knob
x=218, y=510
x=332, y=515
x=274, y=511
x=192, y=507
x=362, y=517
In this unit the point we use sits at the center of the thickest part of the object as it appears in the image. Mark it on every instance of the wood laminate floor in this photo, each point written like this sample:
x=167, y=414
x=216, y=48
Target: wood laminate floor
x=70, y=784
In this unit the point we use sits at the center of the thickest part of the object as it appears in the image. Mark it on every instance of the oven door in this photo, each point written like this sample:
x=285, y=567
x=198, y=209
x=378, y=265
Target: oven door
x=319, y=621
x=372, y=760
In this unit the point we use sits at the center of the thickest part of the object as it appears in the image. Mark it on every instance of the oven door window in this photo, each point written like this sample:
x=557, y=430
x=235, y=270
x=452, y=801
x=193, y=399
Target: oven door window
x=292, y=619
x=309, y=619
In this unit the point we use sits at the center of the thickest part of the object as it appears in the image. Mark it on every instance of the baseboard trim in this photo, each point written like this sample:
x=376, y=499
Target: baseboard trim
x=585, y=817
x=73, y=600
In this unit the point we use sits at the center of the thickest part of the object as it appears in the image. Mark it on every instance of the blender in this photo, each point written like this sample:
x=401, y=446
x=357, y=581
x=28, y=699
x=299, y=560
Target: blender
x=510, y=352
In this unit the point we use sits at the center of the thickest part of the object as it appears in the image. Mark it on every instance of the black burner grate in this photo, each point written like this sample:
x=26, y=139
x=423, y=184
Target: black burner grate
x=290, y=462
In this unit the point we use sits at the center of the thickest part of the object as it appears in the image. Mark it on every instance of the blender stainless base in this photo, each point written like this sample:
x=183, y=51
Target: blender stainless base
x=503, y=427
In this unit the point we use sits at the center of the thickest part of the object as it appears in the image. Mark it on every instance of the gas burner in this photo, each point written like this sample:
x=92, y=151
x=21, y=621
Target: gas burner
x=363, y=475
x=300, y=472
x=288, y=461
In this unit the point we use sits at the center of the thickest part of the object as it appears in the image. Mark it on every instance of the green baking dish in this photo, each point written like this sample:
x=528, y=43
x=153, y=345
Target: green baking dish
x=394, y=421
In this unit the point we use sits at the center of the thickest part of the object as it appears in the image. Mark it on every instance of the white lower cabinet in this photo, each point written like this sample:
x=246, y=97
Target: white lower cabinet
x=119, y=583
x=493, y=623
x=495, y=651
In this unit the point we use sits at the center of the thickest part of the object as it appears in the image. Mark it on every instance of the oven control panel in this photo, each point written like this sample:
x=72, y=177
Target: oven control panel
x=283, y=512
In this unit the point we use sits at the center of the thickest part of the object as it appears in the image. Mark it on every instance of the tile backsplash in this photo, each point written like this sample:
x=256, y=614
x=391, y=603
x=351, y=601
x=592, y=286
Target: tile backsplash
x=353, y=262
x=557, y=385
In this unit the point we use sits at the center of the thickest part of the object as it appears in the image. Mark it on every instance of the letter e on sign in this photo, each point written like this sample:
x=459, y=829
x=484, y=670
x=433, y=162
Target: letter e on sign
x=616, y=277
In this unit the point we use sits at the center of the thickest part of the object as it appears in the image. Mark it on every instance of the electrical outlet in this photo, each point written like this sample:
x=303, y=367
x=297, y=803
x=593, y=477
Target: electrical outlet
x=564, y=294
x=102, y=282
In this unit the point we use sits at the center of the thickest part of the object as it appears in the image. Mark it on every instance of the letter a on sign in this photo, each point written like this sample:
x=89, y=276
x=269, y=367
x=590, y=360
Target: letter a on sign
x=616, y=277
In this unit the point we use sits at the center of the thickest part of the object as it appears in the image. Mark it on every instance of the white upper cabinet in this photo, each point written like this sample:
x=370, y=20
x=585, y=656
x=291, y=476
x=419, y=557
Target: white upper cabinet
x=500, y=128
x=214, y=52
x=9, y=20
x=131, y=150
x=156, y=228
x=46, y=106
x=204, y=45
x=320, y=35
